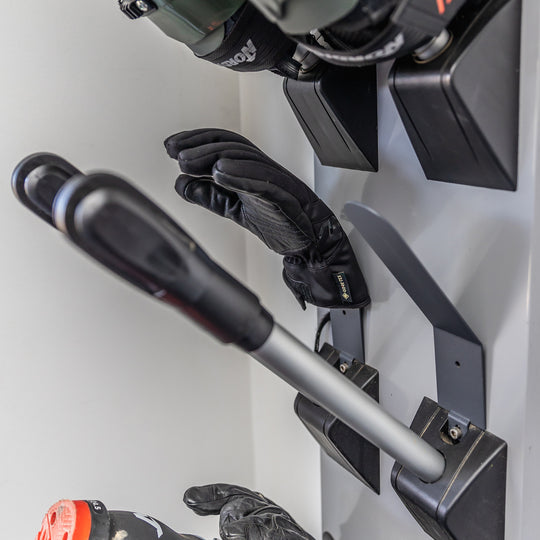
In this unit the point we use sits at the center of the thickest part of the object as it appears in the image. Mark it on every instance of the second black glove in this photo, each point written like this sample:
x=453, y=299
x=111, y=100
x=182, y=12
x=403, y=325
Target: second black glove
x=228, y=175
x=244, y=514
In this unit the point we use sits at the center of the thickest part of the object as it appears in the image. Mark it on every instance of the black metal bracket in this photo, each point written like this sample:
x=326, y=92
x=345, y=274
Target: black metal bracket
x=348, y=333
x=468, y=501
x=459, y=354
x=346, y=447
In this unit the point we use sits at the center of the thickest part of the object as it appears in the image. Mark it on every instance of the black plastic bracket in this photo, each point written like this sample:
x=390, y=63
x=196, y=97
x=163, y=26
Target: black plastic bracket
x=354, y=453
x=468, y=502
x=459, y=354
x=461, y=109
x=346, y=447
x=338, y=113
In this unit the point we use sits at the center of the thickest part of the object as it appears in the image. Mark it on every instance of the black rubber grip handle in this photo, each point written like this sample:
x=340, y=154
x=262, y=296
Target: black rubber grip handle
x=37, y=179
x=120, y=227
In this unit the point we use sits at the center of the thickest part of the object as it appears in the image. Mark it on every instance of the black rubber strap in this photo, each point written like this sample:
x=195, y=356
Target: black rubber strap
x=255, y=44
x=413, y=23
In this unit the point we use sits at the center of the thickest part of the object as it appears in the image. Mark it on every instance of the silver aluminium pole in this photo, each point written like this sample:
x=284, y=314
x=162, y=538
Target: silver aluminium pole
x=302, y=368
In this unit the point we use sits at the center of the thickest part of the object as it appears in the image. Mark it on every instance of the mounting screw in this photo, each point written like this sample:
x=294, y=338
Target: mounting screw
x=142, y=5
x=455, y=433
x=344, y=367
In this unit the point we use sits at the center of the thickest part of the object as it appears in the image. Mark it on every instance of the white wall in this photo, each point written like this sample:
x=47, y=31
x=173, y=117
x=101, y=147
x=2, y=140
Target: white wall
x=105, y=393
x=287, y=458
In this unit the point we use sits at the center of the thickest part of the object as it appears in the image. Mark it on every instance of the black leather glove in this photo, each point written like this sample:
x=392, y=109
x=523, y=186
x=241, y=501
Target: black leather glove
x=228, y=175
x=243, y=514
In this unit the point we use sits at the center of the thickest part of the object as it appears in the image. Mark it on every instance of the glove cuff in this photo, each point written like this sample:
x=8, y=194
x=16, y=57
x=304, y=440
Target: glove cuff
x=338, y=283
x=255, y=44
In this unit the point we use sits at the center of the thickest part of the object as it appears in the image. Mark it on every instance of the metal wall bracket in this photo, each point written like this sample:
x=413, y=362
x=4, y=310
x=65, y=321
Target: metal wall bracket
x=468, y=501
x=348, y=332
x=459, y=354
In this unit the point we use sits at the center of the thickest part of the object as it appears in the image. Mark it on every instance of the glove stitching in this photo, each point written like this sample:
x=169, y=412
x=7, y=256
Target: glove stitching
x=302, y=205
x=328, y=261
x=259, y=233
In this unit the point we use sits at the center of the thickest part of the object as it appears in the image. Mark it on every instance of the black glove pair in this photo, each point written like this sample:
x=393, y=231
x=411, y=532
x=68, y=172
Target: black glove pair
x=243, y=514
x=228, y=175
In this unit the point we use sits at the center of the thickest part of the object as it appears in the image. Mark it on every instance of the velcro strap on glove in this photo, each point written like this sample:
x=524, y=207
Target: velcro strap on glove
x=255, y=44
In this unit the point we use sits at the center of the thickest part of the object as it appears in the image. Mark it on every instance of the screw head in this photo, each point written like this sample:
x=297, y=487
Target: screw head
x=455, y=433
x=142, y=5
x=344, y=367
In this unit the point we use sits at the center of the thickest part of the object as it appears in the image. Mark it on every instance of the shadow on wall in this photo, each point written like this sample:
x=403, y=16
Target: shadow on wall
x=468, y=254
x=355, y=502
x=493, y=278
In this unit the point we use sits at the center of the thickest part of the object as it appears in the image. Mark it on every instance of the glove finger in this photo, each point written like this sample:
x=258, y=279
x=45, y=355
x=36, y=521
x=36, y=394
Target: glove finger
x=258, y=215
x=210, y=499
x=270, y=184
x=266, y=172
x=201, y=159
x=197, y=137
x=207, y=194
